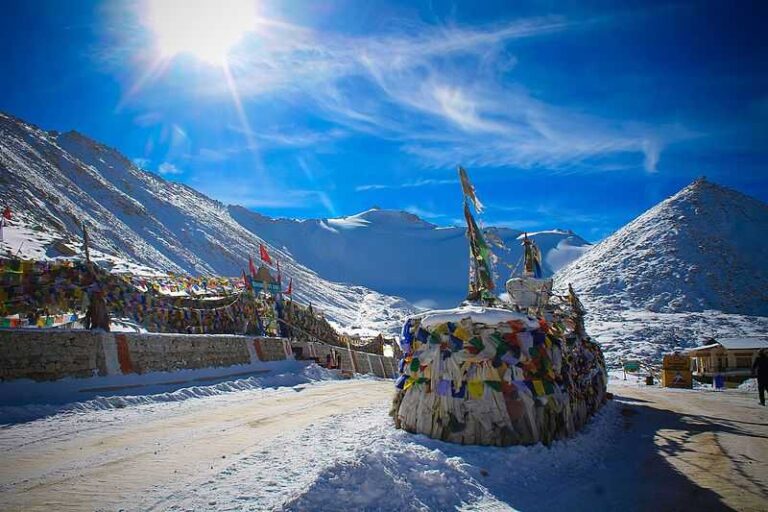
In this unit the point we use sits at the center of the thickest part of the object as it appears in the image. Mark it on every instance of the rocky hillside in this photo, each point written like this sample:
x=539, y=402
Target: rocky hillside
x=703, y=248
x=54, y=181
x=690, y=268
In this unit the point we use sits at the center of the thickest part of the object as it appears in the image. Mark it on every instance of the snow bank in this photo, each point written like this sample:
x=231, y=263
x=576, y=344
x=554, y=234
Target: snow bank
x=393, y=470
x=749, y=385
x=25, y=400
x=357, y=461
x=478, y=314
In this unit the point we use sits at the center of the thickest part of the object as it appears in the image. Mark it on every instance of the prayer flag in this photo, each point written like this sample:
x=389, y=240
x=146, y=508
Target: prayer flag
x=264, y=255
x=251, y=267
x=469, y=190
x=481, y=274
x=475, y=388
x=246, y=281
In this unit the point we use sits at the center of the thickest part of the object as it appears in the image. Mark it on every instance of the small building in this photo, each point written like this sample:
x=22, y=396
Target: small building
x=730, y=357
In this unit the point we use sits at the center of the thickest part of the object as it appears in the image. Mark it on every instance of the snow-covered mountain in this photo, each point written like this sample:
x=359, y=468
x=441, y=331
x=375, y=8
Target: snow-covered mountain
x=691, y=267
x=54, y=181
x=398, y=253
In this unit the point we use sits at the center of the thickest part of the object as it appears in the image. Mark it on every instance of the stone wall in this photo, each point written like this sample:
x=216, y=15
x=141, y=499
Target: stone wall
x=50, y=354
x=53, y=354
x=154, y=352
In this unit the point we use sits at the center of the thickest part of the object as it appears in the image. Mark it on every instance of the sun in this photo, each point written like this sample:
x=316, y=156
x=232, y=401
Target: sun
x=205, y=29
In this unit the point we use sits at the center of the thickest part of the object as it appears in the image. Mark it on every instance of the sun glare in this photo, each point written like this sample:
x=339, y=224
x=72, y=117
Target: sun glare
x=205, y=29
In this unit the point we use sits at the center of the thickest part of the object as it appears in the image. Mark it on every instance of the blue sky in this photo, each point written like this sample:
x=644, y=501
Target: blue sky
x=575, y=115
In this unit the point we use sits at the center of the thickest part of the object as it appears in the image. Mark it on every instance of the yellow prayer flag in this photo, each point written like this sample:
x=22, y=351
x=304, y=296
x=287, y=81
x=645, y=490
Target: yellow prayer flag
x=475, y=388
x=461, y=333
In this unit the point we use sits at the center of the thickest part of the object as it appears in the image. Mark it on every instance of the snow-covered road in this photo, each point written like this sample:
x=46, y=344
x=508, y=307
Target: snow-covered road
x=165, y=454
x=329, y=445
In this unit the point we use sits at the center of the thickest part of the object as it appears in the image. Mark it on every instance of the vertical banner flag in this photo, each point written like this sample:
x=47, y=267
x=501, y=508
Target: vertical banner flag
x=290, y=287
x=264, y=255
x=532, y=260
x=469, y=190
x=481, y=256
x=251, y=267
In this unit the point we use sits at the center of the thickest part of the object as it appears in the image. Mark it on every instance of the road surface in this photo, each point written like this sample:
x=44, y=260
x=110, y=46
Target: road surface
x=709, y=450
x=266, y=449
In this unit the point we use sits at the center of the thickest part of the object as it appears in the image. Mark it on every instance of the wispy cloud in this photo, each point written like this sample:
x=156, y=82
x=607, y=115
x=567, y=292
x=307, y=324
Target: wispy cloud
x=300, y=138
x=424, y=213
x=167, y=169
x=445, y=94
x=410, y=184
x=258, y=197
x=141, y=162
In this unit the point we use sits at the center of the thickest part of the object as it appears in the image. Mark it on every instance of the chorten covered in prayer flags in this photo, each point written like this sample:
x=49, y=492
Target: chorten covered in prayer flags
x=496, y=372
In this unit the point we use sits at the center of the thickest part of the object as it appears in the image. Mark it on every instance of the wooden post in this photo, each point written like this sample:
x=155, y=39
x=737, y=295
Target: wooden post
x=85, y=243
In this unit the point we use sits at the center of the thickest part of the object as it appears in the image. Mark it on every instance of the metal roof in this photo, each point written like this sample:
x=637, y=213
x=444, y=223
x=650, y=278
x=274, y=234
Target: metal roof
x=743, y=343
x=705, y=347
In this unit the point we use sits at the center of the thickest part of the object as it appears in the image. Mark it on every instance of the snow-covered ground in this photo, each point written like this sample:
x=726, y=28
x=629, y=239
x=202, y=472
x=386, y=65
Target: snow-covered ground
x=35, y=242
x=330, y=445
x=24, y=400
x=265, y=448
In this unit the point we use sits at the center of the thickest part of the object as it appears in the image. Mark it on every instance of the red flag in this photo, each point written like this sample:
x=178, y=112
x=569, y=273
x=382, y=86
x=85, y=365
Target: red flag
x=264, y=255
x=246, y=281
x=252, y=267
x=7, y=212
x=290, y=287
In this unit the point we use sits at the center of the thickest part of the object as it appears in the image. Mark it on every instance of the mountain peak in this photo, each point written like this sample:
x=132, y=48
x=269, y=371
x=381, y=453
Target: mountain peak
x=702, y=248
x=381, y=216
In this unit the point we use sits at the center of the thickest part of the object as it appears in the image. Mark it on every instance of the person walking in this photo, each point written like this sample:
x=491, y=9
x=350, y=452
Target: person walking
x=760, y=369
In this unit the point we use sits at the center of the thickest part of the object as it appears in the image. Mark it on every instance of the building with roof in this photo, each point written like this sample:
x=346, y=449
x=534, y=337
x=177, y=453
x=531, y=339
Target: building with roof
x=730, y=357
